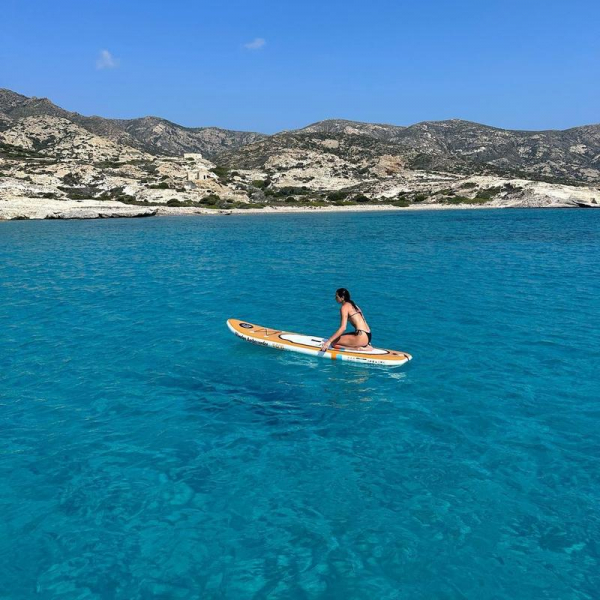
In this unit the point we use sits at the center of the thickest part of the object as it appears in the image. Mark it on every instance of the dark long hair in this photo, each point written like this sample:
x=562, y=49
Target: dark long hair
x=344, y=294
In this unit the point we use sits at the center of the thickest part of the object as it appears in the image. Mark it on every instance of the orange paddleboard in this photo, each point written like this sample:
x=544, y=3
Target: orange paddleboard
x=311, y=345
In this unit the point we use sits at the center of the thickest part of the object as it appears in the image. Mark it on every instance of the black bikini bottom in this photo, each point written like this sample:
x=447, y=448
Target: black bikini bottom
x=359, y=331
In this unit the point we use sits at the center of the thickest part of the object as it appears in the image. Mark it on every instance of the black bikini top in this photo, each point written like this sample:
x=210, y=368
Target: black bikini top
x=358, y=312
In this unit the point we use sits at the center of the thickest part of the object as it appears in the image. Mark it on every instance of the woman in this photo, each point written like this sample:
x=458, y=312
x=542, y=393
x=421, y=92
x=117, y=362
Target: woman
x=361, y=338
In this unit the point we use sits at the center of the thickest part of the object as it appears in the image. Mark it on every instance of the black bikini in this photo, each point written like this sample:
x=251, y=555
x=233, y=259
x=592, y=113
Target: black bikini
x=359, y=331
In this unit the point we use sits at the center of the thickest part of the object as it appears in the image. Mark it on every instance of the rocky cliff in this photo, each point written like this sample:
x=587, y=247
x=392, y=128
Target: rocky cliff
x=567, y=156
x=149, y=134
x=58, y=164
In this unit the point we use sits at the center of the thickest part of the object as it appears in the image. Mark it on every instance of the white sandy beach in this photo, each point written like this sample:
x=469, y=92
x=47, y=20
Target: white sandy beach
x=91, y=209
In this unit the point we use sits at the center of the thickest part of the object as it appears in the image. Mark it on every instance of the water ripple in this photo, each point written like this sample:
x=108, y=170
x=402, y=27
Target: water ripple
x=149, y=453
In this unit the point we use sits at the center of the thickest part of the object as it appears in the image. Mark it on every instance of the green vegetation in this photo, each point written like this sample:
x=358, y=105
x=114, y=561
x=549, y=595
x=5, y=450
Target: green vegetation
x=314, y=203
x=401, y=202
x=110, y=164
x=221, y=173
x=261, y=184
x=79, y=193
x=17, y=152
x=211, y=200
x=110, y=194
x=344, y=203
x=70, y=179
x=420, y=197
x=337, y=196
x=39, y=145
x=118, y=195
x=163, y=185
x=247, y=205
x=468, y=185
x=207, y=202
x=362, y=199
x=463, y=200
x=489, y=193
x=290, y=190
x=422, y=161
x=509, y=187
x=47, y=195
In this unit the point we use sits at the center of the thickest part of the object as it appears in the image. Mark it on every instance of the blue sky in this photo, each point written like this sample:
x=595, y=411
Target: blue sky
x=268, y=66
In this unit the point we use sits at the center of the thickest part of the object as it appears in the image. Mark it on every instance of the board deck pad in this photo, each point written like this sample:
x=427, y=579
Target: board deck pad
x=311, y=345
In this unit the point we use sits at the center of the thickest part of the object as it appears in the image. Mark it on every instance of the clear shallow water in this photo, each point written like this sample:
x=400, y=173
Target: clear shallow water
x=148, y=453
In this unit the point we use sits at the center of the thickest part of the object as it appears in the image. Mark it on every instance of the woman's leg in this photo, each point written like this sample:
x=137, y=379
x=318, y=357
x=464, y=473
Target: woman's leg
x=351, y=340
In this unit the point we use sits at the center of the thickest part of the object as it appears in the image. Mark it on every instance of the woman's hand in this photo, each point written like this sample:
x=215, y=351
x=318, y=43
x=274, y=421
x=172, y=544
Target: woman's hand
x=325, y=345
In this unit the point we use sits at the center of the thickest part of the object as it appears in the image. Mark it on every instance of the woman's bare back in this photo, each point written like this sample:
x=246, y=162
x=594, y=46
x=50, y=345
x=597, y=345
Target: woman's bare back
x=357, y=319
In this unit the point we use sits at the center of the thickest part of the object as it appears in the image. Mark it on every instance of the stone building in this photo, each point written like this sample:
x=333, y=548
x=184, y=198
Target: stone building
x=198, y=169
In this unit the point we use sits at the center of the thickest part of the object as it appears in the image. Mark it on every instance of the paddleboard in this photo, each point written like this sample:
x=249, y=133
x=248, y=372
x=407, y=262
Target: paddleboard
x=311, y=345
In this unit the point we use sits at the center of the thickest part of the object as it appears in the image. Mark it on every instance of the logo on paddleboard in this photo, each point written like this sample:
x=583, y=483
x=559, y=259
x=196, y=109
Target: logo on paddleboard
x=246, y=325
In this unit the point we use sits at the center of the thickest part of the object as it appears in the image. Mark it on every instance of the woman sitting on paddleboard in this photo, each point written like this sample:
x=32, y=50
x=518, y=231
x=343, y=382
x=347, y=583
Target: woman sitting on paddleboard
x=361, y=338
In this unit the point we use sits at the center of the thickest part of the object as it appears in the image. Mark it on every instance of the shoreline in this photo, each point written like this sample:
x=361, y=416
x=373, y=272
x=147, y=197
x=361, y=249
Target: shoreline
x=92, y=210
x=272, y=210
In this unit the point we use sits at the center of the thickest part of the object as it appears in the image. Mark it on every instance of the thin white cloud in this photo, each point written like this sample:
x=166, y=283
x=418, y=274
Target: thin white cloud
x=255, y=44
x=106, y=60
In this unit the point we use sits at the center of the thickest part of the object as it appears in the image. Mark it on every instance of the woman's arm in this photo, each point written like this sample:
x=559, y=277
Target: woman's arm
x=340, y=330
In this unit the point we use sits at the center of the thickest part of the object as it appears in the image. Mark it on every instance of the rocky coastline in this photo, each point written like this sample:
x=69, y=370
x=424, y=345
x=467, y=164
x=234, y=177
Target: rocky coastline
x=68, y=210
x=55, y=164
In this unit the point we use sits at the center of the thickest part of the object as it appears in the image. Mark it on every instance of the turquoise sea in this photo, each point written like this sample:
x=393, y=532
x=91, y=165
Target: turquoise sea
x=148, y=453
